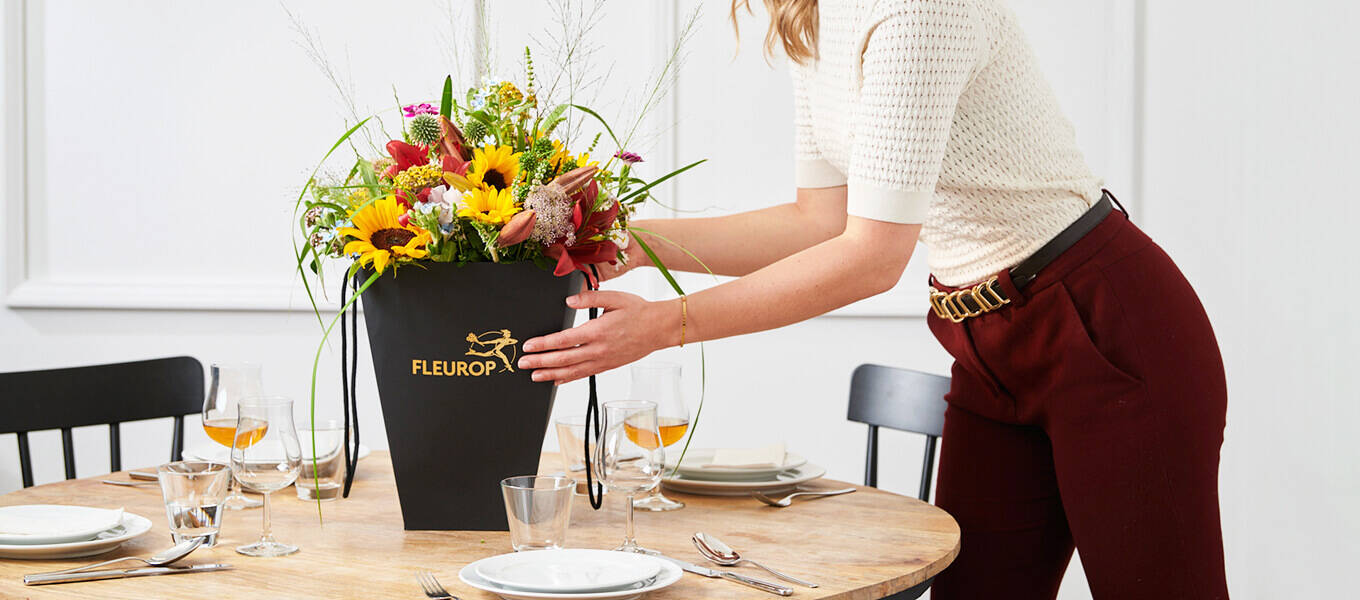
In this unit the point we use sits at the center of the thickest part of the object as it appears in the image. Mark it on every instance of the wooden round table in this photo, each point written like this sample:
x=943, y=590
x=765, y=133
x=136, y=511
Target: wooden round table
x=868, y=544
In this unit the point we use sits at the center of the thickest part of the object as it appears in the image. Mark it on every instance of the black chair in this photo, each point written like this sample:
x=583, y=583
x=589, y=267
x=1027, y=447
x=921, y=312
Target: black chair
x=904, y=400
x=99, y=395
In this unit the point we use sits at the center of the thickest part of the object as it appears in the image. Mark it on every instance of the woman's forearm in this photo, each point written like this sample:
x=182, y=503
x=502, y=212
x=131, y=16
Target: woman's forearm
x=868, y=258
x=744, y=242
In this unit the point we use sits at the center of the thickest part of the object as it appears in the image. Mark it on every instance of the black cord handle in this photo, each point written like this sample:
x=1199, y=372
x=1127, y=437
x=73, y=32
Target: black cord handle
x=593, y=489
x=349, y=377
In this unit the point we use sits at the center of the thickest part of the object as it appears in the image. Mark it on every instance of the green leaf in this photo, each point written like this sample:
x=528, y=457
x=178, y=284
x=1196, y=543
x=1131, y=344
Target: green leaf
x=602, y=122
x=662, y=179
x=446, y=103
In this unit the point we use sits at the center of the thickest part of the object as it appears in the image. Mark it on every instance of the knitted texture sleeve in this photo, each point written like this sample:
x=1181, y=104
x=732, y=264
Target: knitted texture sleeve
x=812, y=170
x=914, y=67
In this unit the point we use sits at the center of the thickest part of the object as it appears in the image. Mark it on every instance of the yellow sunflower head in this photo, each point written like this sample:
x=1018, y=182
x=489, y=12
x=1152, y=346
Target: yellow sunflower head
x=494, y=166
x=488, y=205
x=379, y=239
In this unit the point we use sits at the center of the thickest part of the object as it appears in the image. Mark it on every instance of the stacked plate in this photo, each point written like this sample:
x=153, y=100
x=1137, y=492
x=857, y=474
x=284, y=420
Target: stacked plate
x=570, y=574
x=57, y=531
x=697, y=475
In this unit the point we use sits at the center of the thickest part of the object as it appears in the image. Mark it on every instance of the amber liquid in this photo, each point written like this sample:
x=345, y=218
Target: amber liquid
x=672, y=430
x=223, y=431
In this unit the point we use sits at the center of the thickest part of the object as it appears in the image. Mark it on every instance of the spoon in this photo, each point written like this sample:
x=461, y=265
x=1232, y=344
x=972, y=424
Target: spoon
x=788, y=500
x=160, y=559
x=715, y=550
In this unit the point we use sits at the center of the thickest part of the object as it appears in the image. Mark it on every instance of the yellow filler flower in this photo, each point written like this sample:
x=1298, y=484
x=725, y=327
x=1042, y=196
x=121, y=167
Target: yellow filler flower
x=494, y=166
x=381, y=240
x=490, y=206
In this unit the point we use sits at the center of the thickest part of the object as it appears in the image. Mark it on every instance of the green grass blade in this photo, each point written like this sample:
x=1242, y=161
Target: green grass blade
x=662, y=179
x=602, y=122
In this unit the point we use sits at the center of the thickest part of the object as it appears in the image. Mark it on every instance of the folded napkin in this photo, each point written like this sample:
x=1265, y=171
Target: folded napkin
x=764, y=457
x=60, y=524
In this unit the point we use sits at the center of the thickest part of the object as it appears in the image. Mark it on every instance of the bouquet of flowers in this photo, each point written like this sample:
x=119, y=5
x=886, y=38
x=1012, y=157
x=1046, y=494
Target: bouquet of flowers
x=483, y=179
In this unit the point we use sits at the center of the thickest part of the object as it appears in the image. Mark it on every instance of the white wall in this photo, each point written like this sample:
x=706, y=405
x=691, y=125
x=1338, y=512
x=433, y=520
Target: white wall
x=1228, y=132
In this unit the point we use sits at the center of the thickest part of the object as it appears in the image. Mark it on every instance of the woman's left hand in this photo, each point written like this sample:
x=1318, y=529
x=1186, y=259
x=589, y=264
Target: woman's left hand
x=625, y=332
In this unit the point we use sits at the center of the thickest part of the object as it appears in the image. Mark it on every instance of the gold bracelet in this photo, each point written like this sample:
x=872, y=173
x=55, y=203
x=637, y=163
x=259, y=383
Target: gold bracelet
x=684, y=318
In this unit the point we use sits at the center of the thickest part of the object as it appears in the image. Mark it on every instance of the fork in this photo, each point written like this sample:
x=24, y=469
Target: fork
x=787, y=500
x=432, y=588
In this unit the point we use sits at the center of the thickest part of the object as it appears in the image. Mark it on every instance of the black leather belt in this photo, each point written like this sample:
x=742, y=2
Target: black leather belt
x=989, y=296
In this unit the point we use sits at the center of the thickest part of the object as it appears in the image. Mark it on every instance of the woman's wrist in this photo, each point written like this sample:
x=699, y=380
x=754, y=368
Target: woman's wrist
x=671, y=322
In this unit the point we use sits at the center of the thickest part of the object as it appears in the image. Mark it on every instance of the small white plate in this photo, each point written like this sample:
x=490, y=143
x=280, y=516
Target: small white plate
x=568, y=571
x=132, y=526
x=218, y=453
x=783, y=481
x=65, y=523
x=697, y=461
x=669, y=575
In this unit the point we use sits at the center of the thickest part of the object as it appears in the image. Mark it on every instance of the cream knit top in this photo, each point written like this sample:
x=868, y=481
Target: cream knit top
x=935, y=112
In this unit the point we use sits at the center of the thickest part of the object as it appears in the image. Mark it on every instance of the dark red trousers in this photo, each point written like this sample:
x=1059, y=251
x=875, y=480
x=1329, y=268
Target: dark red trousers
x=1089, y=412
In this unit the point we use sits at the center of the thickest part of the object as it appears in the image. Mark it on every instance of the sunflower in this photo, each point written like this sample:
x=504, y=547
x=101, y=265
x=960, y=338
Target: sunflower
x=494, y=166
x=380, y=239
x=488, y=205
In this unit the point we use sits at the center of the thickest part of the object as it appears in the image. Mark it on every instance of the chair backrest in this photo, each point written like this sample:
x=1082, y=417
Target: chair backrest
x=899, y=399
x=99, y=395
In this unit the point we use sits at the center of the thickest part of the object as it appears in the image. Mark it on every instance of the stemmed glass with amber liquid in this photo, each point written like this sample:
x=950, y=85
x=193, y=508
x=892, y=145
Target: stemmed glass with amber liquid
x=228, y=385
x=659, y=382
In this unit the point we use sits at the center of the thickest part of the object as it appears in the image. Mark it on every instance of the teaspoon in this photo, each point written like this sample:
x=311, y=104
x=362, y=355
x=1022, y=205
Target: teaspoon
x=159, y=559
x=715, y=550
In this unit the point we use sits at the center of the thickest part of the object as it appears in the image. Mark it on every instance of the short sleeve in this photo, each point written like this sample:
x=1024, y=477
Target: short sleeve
x=811, y=169
x=915, y=65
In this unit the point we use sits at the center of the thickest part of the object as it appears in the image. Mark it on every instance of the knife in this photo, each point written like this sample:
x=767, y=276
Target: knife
x=143, y=475
x=759, y=584
x=46, y=578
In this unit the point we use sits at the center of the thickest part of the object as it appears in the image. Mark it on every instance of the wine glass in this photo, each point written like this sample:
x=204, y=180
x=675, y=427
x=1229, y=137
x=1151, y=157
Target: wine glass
x=659, y=382
x=228, y=384
x=266, y=457
x=628, y=457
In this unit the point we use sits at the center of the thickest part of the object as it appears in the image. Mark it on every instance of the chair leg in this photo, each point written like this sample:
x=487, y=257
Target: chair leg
x=177, y=442
x=25, y=459
x=871, y=458
x=927, y=469
x=115, y=449
x=68, y=452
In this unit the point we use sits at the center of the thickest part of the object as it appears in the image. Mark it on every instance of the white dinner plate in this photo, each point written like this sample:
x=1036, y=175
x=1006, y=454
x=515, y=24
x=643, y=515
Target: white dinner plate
x=218, y=453
x=697, y=461
x=668, y=575
x=132, y=526
x=56, y=523
x=567, y=571
x=781, y=482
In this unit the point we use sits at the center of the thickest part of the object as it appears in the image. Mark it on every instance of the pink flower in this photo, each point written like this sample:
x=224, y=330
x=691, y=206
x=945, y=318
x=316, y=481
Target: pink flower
x=424, y=108
x=628, y=157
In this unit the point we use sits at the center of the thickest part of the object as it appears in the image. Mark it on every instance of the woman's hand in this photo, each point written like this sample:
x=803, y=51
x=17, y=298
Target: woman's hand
x=635, y=258
x=630, y=328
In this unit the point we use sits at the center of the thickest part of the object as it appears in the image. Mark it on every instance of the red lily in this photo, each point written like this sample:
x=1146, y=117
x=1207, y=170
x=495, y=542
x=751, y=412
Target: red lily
x=585, y=251
x=406, y=156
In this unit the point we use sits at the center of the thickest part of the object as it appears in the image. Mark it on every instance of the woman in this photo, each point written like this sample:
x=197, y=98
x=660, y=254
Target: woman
x=1088, y=398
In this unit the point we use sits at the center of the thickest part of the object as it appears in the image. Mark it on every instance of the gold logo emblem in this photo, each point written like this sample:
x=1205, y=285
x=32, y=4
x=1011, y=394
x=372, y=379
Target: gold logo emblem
x=494, y=344
x=498, y=347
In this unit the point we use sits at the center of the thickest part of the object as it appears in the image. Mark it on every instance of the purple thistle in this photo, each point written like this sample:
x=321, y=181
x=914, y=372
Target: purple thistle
x=628, y=157
x=424, y=108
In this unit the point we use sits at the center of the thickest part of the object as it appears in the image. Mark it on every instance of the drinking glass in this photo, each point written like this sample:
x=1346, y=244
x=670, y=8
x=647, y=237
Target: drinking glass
x=228, y=385
x=193, y=492
x=659, y=382
x=628, y=457
x=538, y=509
x=265, y=458
x=323, y=478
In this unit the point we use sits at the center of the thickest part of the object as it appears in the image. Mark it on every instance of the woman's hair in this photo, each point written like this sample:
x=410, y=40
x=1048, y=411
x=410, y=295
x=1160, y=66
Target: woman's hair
x=793, y=25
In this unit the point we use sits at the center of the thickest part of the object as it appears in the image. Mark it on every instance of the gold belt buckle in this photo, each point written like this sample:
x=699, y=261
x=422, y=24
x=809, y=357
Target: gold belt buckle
x=949, y=305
